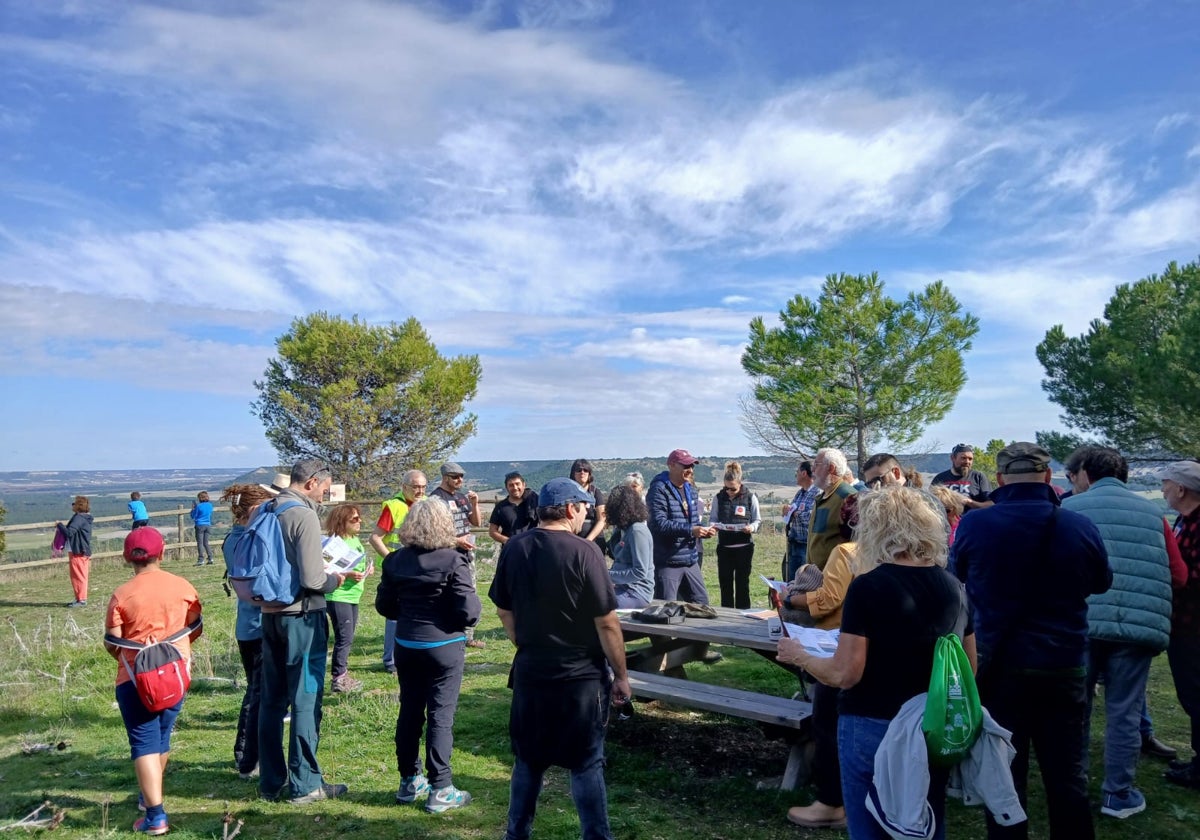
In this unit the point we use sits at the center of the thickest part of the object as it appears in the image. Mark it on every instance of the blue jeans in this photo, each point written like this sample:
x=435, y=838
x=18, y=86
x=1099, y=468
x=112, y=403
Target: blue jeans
x=797, y=556
x=858, y=741
x=587, y=789
x=389, y=643
x=1126, y=668
x=682, y=583
x=628, y=599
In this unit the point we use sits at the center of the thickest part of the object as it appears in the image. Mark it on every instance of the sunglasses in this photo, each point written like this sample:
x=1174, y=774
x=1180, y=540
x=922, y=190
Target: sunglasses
x=355, y=519
x=875, y=482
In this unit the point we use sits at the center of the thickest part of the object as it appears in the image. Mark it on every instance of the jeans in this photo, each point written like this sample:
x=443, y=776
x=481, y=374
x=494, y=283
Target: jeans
x=1125, y=667
x=1183, y=654
x=343, y=618
x=389, y=643
x=430, y=680
x=858, y=741
x=1048, y=713
x=797, y=556
x=826, y=769
x=203, y=552
x=293, y=674
x=628, y=599
x=570, y=733
x=684, y=583
x=733, y=574
x=587, y=790
x=245, y=743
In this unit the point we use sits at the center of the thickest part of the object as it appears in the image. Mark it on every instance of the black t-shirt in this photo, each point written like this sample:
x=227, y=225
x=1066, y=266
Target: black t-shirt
x=974, y=485
x=556, y=585
x=511, y=518
x=901, y=611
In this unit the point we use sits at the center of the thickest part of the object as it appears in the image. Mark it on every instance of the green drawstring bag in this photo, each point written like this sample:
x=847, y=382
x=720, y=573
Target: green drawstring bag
x=953, y=715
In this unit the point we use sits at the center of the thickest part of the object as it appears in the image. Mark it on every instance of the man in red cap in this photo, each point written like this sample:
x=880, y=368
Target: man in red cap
x=675, y=525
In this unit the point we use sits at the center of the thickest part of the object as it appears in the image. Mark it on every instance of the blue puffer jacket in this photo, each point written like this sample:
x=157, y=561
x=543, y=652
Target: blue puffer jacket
x=670, y=524
x=1137, y=609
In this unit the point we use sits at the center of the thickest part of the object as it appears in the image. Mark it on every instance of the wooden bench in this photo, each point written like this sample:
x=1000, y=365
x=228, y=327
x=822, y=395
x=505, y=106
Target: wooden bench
x=734, y=702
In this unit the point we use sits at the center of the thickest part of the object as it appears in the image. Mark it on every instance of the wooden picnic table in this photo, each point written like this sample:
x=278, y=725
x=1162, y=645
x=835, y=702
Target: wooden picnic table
x=656, y=673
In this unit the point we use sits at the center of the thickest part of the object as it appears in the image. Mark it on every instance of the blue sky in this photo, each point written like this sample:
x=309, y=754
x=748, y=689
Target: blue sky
x=596, y=197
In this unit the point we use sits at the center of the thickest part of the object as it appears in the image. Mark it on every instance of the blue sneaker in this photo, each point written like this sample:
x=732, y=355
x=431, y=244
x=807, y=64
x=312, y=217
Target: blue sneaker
x=1122, y=805
x=154, y=826
x=412, y=788
x=443, y=799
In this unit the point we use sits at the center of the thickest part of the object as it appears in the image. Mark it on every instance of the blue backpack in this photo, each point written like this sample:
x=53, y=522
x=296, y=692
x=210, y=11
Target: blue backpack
x=257, y=562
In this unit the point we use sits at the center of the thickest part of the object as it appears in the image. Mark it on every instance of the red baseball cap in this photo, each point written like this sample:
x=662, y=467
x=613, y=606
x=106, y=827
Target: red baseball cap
x=683, y=458
x=143, y=544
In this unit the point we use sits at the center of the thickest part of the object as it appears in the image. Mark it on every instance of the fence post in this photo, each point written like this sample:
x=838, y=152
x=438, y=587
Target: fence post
x=180, y=529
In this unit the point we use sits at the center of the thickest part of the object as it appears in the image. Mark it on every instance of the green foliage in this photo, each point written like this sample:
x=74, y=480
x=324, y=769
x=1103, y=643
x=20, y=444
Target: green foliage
x=1060, y=445
x=1134, y=377
x=985, y=458
x=369, y=400
x=3, y=536
x=855, y=368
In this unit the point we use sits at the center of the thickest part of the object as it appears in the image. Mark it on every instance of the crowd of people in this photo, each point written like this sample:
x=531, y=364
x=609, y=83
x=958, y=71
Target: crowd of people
x=1051, y=594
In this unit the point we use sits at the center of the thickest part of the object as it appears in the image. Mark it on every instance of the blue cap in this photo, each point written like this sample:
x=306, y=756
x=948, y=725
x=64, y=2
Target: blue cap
x=561, y=491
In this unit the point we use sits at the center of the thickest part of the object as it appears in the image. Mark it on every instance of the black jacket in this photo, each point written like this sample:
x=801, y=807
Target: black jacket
x=428, y=593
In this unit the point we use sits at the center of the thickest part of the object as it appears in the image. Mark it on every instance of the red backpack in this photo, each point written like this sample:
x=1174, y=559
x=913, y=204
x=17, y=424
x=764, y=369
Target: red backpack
x=160, y=673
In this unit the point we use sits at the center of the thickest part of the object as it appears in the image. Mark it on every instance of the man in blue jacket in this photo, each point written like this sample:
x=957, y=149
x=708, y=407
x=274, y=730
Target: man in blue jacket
x=1129, y=624
x=1029, y=567
x=675, y=525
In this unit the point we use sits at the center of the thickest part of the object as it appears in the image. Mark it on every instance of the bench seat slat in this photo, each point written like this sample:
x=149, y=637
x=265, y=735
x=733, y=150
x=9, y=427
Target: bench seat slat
x=721, y=700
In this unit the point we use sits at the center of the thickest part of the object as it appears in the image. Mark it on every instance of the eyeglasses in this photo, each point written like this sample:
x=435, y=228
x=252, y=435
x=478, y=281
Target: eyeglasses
x=356, y=519
x=454, y=476
x=416, y=486
x=875, y=482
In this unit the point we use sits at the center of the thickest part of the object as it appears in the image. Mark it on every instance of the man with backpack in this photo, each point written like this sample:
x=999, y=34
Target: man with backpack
x=295, y=645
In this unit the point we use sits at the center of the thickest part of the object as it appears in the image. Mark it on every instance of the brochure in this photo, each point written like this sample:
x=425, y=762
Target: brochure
x=339, y=556
x=778, y=585
x=820, y=643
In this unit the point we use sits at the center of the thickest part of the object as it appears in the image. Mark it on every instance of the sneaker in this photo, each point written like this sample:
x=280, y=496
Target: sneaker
x=476, y=643
x=209, y=562
x=412, y=788
x=153, y=827
x=325, y=791
x=1122, y=805
x=711, y=658
x=247, y=775
x=76, y=604
x=443, y=799
x=346, y=684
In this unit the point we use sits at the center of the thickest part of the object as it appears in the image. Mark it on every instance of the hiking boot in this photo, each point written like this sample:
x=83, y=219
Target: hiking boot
x=247, y=775
x=476, y=643
x=443, y=799
x=412, y=788
x=346, y=684
x=1123, y=805
x=1155, y=748
x=1183, y=773
x=199, y=563
x=325, y=791
x=711, y=657
x=154, y=827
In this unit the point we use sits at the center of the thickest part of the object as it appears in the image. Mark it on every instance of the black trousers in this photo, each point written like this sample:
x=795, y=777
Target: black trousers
x=245, y=743
x=733, y=574
x=343, y=619
x=827, y=768
x=430, y=680
x=1047, y=714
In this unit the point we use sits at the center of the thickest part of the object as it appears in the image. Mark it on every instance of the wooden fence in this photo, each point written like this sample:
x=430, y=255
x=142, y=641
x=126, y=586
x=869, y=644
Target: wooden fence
x=183, y=532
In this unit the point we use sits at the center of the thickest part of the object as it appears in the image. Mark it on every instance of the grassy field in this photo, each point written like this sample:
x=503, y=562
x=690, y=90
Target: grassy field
x=672, y=773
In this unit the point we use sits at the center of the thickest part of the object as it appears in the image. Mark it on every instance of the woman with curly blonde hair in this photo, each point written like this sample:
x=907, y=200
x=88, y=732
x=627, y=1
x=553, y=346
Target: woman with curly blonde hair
x=426, y=589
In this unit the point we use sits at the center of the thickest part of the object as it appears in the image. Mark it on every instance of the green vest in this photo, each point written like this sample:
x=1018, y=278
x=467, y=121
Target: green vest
x=1137, y=608
x=399, y=509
